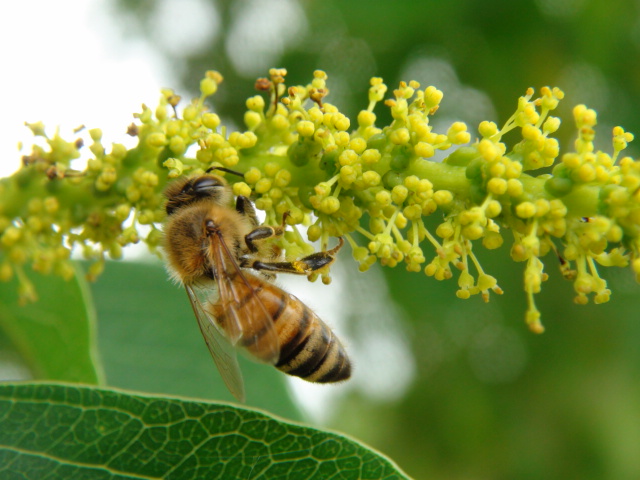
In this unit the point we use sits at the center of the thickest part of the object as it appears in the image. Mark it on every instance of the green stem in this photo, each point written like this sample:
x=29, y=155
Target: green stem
x=582, y=201
x=443, y=176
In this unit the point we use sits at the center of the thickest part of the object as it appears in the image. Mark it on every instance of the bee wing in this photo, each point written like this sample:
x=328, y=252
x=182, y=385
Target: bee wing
x=223, y=353
x=247, y=322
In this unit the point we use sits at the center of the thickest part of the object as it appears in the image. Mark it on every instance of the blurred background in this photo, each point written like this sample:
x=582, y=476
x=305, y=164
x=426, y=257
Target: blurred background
x=449, y=389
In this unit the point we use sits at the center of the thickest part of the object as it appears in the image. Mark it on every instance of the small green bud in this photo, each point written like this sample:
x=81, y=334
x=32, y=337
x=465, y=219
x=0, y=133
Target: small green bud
x=301, y=152
x=400, y=159
x=329, y=160
x=462, y=156
x=474, y=168
x=377, y=141
x=392, y=178
x=314, y=233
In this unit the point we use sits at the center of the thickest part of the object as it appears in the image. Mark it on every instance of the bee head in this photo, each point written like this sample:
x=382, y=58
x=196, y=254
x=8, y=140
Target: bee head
x=189, y=190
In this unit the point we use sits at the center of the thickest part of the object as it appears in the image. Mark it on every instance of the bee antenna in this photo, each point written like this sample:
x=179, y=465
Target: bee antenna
x=223, y=169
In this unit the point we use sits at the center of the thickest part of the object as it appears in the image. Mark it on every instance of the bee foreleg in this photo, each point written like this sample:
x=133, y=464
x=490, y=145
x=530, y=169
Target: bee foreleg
x=264, y=232
x=245, y=207
x=303, y=266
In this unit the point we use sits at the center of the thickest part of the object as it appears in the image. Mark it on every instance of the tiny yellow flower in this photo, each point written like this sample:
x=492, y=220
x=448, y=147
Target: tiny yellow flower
x=443, y=197
x=497, y=186
x=525, y=210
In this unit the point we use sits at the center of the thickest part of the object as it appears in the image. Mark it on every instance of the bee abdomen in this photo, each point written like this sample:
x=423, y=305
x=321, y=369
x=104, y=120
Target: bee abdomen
x=313, y=352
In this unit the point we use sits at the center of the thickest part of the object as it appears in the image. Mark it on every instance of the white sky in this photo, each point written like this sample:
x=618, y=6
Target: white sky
x=64, y=65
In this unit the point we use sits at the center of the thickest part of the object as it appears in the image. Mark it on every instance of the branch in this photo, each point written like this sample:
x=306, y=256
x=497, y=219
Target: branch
x=372, y=185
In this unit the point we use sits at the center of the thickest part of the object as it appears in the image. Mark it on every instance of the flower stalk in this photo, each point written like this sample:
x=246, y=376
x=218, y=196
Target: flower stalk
x=373, y=185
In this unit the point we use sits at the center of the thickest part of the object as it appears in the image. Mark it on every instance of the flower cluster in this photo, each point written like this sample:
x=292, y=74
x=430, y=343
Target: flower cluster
x=373, y=185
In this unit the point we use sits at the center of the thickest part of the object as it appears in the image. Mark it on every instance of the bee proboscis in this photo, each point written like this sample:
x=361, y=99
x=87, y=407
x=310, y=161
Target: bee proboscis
x=226, y=263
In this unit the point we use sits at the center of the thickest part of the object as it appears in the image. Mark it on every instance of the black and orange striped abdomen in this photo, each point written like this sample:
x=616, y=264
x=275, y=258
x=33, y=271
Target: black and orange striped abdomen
x=308, y=347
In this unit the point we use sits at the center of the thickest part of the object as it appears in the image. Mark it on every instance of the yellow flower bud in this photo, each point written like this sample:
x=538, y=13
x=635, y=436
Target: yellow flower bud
x=157, y=139
x=383, y=198
x=432, y=97
x=342, y=123
x=190, y=113
x=497, y=186
x=241, y=188
x=486, y=282
x=371, y=178
x=348, y=157
x=400, y=136
x=487, y=129
x=411, y=182
x=358, y=145
x=497, y=169
x=473, y=231
x=177, y=145
x=531, y=132
x=585, y=173
x=514, y=187
x=305, y=128
x=445, y=230
x=341, y=139
x=279, y=122
x=525, y=210
x=208, y=86
x=412, y=212
x=443, y=197
x=263, y=185
x=493, y=209
x=255, y=103
x=366, y=118
x=282, y=178
x=399, y=194
x=370, y=156
x=401, y=221
x=423, y=149
x=584, y=117
x=252, y=175
x=492, y=240
x=542, y=207
x=330, y=205
x=348, y=174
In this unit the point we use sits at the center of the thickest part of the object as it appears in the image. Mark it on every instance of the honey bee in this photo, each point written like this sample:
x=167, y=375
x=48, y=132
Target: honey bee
x=217, y=250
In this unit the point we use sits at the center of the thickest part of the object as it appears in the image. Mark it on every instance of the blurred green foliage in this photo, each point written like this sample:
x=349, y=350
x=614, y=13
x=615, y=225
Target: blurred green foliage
x=493, y=401
x=150, y=342
x=54, y=338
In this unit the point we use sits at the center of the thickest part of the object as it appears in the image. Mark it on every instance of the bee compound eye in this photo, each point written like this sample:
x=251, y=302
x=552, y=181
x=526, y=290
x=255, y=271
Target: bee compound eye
x=205, y=185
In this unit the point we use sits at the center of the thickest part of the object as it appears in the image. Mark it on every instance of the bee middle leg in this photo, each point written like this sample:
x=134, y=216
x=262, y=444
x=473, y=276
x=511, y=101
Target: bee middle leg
x=304, y=266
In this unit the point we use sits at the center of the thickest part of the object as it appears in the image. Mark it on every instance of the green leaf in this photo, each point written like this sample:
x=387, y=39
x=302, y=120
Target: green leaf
x=50, y=431
x=54, y=336
x=150, y=341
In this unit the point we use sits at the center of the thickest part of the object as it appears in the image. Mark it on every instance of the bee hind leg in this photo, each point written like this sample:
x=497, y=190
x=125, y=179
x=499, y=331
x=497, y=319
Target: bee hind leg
x=304, y=266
